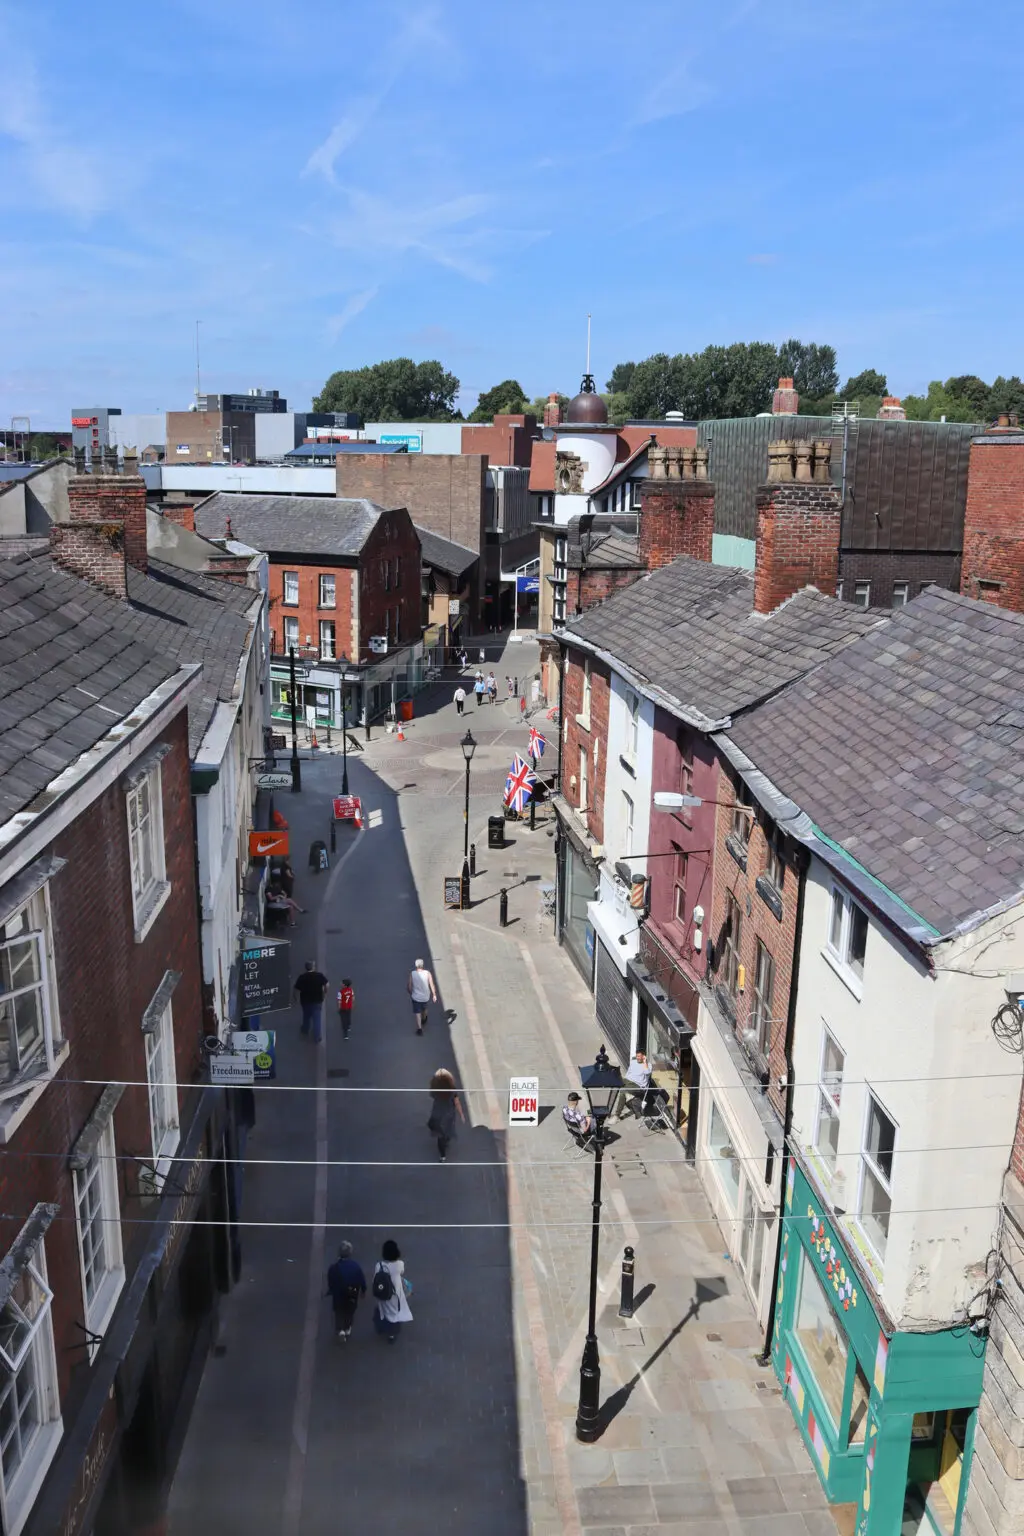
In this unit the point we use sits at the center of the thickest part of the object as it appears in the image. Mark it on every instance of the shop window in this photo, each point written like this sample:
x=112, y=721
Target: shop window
x=822, y=1342
x=764, y=985
x=752, y=1238
x=327, y=591
x=875, y=1204
x=859, y=1407
x=723, y=1157
x=848, y=937
x=731, y=948
x=290, y=591
x=830, y=1087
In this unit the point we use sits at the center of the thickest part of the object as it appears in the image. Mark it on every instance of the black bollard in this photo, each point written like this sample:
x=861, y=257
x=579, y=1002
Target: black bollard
x=626, y=1298
x=334, y=843
x=367, y=726
x=472, y=858
x=503, y=908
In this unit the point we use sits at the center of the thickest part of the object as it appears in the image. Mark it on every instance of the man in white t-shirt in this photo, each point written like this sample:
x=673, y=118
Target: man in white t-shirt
x=421, y=989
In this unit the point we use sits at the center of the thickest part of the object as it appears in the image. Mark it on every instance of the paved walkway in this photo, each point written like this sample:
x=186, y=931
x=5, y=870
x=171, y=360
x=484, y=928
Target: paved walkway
x=467, y=1424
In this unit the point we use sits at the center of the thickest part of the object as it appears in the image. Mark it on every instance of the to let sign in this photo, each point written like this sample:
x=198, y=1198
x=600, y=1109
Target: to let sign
x=524, y=1101
x=266, y=977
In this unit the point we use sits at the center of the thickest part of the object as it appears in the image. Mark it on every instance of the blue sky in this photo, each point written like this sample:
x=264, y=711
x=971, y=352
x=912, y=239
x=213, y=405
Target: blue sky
x=327, y=185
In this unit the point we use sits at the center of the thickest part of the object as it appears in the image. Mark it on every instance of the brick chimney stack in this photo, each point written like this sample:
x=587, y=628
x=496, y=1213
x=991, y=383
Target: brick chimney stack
x=94, y=551
x=121, y=499
x=677, y=506
x=891, y=409
x=785, y=401
x=993, y=559
x=181, y=512
x=799, y=513
x=552, y=412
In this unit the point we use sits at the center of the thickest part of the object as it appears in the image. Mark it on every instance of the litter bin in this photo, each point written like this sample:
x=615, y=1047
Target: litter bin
x=495, y=831
x=405, y=709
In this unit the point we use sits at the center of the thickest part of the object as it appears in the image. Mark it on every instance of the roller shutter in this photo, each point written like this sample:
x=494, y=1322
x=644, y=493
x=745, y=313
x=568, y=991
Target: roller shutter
x=614, y=1005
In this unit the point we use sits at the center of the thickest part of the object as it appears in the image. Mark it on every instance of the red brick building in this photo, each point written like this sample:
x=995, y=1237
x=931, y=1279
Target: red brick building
x=993, y=557
x=100, y=943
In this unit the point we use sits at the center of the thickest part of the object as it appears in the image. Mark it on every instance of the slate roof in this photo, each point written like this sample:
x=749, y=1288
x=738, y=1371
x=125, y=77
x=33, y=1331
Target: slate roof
x=67, y=675
x=177, y=616
x=907, y=749
x=454, y=559
x=689, y=629
x=291, y=525
x=609, y=548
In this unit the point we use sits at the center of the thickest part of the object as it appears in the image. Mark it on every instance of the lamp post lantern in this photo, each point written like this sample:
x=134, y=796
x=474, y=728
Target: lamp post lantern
x=344, y=727
x=600, y=1082
x=468, y=748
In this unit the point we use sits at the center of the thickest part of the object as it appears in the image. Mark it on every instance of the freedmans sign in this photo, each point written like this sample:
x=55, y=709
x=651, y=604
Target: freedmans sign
x=524, y=1101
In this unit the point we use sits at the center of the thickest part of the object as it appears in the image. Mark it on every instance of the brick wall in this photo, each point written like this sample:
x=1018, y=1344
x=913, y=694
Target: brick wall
x=210, y=436
x=105, y=981
x=393, y=548
x=94, y=551
x=993, y=558
x=508, y=441
x=113, y=499
x=798, y=527
x=588, y=737
x=444, y=492
x=344, y=613
x=595, y=585
x=677, y=517
x=181, y=512
x=757, y=922
x=689, y=832
x=882, y=568
x=1017, y=1153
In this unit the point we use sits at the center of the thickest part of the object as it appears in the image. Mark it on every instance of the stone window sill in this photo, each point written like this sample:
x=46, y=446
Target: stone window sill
x=583, y=721
x=738, y=851
x=14, y=1110
x=151, y=909
x=769, y=895
x=627, y=765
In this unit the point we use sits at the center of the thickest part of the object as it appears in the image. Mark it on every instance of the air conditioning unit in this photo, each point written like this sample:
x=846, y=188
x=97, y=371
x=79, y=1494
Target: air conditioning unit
x=378, y=645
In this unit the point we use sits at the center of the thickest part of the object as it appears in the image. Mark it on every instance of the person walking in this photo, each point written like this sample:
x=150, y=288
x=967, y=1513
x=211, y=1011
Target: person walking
x=460, y=699
x=391, y=1292
x=346, y=1283
x=447, y=1110
x=509, y=689
x=478, y=689
x=463, y=659
x=346, y=1002
x=311, y=987
x=421, y=989
x=492, y=687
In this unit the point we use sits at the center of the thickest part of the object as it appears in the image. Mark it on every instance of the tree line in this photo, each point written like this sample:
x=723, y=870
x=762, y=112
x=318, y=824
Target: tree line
x=720, y=381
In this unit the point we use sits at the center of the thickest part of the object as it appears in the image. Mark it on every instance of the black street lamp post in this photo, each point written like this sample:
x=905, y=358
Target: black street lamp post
x=601, y=1082
x=468, y=748
x=344, y=727
x=296, y=765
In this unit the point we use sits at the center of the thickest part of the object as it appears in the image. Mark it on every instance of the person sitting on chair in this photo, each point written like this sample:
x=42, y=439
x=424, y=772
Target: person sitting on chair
x=639, y=1072
x=574, y=1116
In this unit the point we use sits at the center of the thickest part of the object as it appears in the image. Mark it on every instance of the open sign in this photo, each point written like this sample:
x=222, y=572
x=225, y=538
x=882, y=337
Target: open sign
x=524, y=1101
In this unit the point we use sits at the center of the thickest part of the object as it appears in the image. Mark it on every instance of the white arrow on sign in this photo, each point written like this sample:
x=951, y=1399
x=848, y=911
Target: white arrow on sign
x=273, y=781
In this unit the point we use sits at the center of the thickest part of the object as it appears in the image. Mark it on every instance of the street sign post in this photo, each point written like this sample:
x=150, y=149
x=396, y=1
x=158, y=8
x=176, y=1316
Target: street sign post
x=266, y=977
x=273, y=781
x=524, y=1101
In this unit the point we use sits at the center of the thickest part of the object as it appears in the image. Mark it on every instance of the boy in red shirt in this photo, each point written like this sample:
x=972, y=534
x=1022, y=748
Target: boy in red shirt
x=346, y=998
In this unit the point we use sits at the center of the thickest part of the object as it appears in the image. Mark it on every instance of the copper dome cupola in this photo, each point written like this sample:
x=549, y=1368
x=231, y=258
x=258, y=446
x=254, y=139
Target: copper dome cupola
x=587, y=408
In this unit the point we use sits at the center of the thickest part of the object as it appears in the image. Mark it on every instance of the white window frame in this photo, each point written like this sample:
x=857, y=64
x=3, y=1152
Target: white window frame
x=636, y=501
x=35, y=1354
x=164, y=1119
x=290, y=633
x=327, y=585
x=632, y=701
x=829, y=1101
x=837, y=949
x=587, y=694
x=96, y=1189
x=38, y=933
x=328, y=652
x=862, y=594
x=148, y=892
x=900, y=594
x=869, y=1169
x=289, y=585
x=761, y=1012
x=628, y=813
x=581, y=785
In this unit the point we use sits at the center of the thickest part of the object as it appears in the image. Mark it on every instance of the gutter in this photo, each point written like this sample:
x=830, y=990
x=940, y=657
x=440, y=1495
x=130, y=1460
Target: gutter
x=798, y=825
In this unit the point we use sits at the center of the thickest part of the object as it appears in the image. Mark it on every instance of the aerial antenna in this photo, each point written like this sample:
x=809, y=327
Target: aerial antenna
x=197, y=366
x=588, y=343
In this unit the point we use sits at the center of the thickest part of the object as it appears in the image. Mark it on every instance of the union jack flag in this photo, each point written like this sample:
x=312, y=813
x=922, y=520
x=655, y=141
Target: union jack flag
x=537, y=743
x=519, y=784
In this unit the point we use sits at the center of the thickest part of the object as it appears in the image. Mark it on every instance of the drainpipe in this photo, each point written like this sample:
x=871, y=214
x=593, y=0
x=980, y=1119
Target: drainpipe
x=764, y=1358
x=561, y=707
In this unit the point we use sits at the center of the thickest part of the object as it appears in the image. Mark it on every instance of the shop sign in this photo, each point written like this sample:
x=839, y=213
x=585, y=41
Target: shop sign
x=454, y=607
x=524, y=1101
x=273, y=781
x=272, y=844
x=453, y=891
x=81, y=421
x=259, y=1046
x=230, y=1071
x=182, y=448
x=832, y=1260
x=89, y=1473
x=266, y=977
x=413, y=440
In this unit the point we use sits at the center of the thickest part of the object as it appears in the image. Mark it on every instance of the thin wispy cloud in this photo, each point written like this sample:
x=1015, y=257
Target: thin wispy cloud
x=677, y=92
x=63, y=175
x=443, y=232
x=353, y=307
x=764, y=259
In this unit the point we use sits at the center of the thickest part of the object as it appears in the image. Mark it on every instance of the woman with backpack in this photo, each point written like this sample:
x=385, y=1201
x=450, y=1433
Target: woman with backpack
x=446, y=1111
x=391, y=1291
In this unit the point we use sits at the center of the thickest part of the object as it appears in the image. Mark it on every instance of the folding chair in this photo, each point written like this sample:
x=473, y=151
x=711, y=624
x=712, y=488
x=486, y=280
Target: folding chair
x=654, y=1117
x=582, y=1141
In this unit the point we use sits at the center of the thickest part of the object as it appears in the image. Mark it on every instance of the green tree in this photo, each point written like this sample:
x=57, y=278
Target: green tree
x=394, y=390
x=870, y=382
x=938, y=403
x=737, y=380
x=46, y=445
x=536, y=407
x=621, y=379
x=968, y=387
x=1007, y=395
x=618, y=407
x=506, y=398
x=811, y=366
x=656, y=386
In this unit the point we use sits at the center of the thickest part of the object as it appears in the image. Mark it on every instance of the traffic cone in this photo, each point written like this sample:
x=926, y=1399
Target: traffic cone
x=401, y=733
x=359, y=817
x=314, y=742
